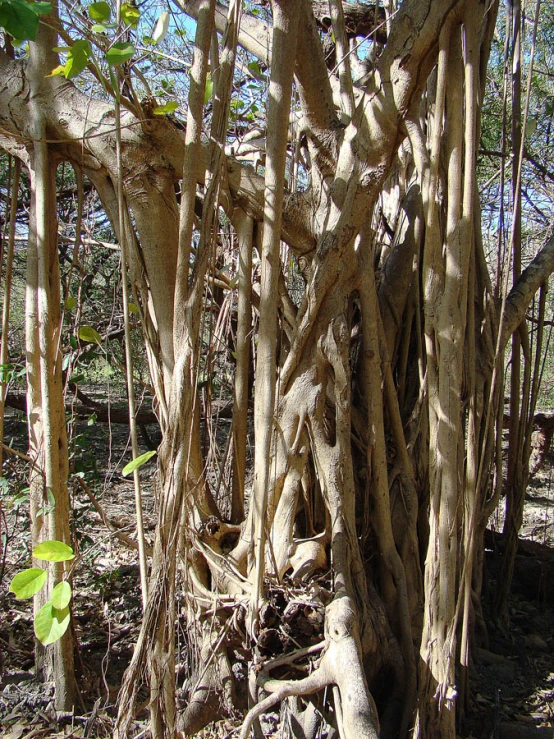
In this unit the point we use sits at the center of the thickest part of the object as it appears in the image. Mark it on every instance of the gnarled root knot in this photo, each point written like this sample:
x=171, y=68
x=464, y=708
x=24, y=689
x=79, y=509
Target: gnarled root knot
x=340, y=665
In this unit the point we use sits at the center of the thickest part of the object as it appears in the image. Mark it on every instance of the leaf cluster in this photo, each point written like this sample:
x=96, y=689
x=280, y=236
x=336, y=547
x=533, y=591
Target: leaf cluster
x=52, y=619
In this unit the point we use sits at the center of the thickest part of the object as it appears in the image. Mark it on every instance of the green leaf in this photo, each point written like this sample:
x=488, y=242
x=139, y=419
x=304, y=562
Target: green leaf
x=21, y=499
x=161, y=28
x=58, y=71
x=51, y=623
x=70, y=302
x=119, y=53
x=531, y=126
x=170, y=107
x=77, y=58
x=209, y=91
x=254, y=67
x=53, y=551
x=19, y=19
x=132, y=307
x=90, y=335
x=129, y=14
x=137, y=462
x=99, y=28
x=6, y=372
x=61, y=595
x=27, y=583
x=100, y=12
x=41, y=8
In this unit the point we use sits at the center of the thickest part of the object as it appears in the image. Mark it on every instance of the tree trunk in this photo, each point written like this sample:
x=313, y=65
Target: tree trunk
x=44, y=362
x=378, y=385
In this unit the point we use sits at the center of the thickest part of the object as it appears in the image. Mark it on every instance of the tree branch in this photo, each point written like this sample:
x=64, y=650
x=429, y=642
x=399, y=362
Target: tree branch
x=254, y=35
x=312, y=77
x=527, y=285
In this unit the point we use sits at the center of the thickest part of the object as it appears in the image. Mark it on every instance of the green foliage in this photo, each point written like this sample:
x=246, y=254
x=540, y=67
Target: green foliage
x=170, y=107
x=47, y=508
x=137, y=462
x=61, y=595
x=208, y=92
x=89, y=335
x=119, y=53
x=20, y=19
x=9, y=372
x=100, y=12
x=130, y=15
x=53, y=551
x=27, y=583
x=78, y=56
x=254, y=67
x=52, y=620
x=51, y=623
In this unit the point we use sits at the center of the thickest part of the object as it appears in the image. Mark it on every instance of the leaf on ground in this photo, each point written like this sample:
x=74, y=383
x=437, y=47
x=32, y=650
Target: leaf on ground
x=17, y=731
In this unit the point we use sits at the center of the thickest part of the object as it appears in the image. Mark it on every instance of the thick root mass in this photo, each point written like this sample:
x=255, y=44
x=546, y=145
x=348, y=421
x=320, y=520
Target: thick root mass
x=341, y=666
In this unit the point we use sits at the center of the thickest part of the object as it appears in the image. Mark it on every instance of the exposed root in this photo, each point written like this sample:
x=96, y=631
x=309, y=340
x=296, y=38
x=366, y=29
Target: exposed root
x=340, y=666
x=286, y=688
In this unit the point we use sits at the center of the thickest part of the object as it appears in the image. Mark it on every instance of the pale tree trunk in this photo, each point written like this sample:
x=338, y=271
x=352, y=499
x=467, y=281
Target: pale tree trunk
x=49, y=435
x=155, y=644
x=285, y=32
x=181, y=473
x=514, y=481
x=445, y=334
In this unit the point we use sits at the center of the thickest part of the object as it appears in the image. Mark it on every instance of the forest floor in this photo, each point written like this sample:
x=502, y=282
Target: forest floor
x=512, y=681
